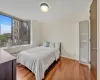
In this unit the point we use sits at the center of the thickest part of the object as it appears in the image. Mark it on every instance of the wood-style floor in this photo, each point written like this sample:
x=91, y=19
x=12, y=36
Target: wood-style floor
x=64, y=69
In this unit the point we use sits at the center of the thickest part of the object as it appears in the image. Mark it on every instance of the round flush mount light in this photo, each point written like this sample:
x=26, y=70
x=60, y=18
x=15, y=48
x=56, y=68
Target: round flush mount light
x=44, y=7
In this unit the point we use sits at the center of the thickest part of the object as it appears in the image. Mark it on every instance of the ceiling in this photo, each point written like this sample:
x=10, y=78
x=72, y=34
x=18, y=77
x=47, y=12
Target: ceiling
x=30, y=9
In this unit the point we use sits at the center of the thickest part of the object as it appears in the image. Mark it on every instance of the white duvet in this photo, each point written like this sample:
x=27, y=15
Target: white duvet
x=38, y=59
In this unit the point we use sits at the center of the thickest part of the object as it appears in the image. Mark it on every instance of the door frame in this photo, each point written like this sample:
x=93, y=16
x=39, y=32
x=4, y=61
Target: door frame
x=98, y=40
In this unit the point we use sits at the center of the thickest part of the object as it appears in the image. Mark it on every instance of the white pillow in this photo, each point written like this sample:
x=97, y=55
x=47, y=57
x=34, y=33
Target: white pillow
x=57, y=45
x=44, y=44
x=52, y=45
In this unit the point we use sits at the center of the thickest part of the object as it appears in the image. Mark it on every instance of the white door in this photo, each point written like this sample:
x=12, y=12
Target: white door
x=84, y=41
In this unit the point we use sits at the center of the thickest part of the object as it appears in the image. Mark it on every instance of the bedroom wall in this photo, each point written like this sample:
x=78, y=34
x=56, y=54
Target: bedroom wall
x=65, y=30
x=36, y=31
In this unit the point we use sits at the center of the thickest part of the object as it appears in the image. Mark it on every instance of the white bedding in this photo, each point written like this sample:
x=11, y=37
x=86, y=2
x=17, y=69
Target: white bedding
x=38, y=59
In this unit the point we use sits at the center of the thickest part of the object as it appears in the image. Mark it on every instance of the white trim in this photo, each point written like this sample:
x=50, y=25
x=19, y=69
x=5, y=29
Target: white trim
x=31, y=40
x=16, y=46
x=98, y=43
x=89, y=65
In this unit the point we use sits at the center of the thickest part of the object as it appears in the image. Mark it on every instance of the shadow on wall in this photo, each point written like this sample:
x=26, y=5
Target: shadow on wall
x=66, y=54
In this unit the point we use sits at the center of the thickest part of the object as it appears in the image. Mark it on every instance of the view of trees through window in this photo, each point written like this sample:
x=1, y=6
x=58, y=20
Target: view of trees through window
x=5, y=30
x=13, y=31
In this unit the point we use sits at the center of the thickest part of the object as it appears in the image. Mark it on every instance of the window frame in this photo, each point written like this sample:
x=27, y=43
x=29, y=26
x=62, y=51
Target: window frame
x=19, y=19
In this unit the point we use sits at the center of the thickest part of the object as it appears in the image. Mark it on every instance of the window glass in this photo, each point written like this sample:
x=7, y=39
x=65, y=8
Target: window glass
x=13, y=31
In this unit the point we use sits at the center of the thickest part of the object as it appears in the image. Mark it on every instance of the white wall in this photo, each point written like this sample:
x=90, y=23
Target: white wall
x=36, y=31
x=65, y=30
x=65, y=33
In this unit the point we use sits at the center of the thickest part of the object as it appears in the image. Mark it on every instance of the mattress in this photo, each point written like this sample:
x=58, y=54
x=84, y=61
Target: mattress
x=38, y=59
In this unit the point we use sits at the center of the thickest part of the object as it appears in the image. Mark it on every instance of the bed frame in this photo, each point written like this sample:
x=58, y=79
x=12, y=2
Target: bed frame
x=53, y=64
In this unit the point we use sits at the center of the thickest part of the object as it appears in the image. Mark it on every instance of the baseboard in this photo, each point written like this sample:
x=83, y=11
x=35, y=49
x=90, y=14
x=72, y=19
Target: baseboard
x=89, y=65
x=69, y=57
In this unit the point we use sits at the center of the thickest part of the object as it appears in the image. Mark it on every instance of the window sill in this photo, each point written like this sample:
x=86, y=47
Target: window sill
x=16, y=46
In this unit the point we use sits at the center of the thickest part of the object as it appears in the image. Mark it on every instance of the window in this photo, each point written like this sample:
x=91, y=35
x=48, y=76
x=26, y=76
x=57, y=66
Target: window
x=5, y=30
x=13, y=31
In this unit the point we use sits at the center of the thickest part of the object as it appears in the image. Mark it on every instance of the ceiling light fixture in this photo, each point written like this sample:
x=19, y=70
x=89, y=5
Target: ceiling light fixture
x=44, y=7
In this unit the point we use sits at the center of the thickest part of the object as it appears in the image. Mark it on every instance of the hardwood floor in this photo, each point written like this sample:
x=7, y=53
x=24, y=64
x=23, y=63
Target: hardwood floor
x=64, y=69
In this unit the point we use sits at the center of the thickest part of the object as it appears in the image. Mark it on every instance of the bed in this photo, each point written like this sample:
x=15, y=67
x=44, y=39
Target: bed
x=38, y=59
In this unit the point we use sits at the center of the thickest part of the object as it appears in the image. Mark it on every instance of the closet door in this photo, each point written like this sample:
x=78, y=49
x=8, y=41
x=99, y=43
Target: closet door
x=93, y=26
x=84, y=42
